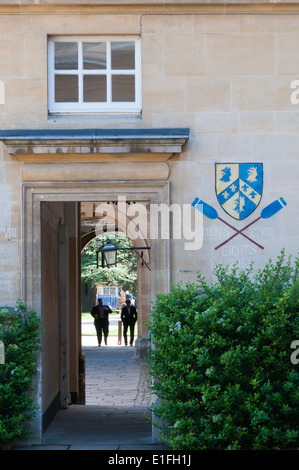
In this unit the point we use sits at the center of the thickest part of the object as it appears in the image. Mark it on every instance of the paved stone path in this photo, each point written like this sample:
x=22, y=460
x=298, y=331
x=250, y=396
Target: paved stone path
x=116, y=414
x=115, y=378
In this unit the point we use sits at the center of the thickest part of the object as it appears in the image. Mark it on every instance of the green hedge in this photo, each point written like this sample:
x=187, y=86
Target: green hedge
x=221, y=360
x=20, y=333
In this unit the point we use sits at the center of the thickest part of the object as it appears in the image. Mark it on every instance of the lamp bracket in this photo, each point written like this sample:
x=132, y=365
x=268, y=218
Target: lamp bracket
x=136, y=248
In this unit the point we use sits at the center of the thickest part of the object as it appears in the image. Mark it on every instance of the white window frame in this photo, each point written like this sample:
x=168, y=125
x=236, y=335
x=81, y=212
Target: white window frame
x=96, y=107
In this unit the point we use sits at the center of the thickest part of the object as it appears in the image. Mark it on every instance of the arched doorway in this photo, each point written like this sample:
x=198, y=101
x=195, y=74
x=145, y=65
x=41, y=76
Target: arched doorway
x=112, y=284
x=104, y=219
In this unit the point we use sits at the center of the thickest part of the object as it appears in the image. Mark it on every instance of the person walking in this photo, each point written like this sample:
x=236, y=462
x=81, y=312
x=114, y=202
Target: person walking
x=100, y=314
x=129, y=318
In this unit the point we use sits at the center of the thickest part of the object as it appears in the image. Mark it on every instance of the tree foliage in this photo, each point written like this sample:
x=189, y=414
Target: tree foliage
x=124, y=273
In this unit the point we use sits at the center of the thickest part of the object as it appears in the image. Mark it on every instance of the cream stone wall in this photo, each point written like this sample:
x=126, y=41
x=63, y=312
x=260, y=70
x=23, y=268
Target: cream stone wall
x=10, y=230
x=227, y=77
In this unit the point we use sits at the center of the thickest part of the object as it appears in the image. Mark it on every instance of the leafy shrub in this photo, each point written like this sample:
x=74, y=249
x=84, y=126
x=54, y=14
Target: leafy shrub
x=20, y=333
x=221, y=360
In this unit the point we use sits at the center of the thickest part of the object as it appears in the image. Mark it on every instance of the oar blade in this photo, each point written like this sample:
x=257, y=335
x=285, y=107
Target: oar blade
x=205, y=208
x=273, y=208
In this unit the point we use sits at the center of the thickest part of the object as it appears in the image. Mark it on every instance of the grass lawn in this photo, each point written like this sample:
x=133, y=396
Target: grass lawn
x=87, y=316
x=112, y=331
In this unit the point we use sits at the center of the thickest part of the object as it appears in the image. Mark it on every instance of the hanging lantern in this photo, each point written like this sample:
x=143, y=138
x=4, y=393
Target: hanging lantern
x=108, y=255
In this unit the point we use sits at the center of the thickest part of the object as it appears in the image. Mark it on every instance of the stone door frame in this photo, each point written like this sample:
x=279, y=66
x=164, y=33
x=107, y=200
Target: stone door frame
x=34, y=193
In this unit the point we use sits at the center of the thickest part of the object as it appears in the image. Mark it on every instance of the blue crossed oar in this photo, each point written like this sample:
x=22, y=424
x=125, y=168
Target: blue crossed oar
x=212, y=213
x=266, y=213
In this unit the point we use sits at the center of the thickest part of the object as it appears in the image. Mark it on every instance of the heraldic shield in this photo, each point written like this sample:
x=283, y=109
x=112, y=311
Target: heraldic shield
x=239, y=188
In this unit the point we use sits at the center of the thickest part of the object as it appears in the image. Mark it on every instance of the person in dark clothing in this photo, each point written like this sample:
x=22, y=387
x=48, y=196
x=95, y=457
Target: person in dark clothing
x=129, y=318
x=100, y=314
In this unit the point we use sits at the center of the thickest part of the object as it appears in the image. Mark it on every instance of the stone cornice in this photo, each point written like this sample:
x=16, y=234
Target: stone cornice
x=94, y=145
x=122, y=7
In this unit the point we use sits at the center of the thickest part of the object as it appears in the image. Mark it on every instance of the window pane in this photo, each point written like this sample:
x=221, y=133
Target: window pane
x=123, y=55
x=66, y=55
x=66, y=88
x=95, y=88
x=123, y=88
x=94, y=55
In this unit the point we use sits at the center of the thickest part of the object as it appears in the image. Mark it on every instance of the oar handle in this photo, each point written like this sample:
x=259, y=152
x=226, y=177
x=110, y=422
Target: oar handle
x=239, y=232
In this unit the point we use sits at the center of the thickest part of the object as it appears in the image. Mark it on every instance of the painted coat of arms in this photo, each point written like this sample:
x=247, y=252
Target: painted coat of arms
x=239, y=188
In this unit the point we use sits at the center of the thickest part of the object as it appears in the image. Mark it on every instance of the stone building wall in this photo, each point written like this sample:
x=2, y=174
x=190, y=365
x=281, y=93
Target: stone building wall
x=227, y=77
x=227, y=71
